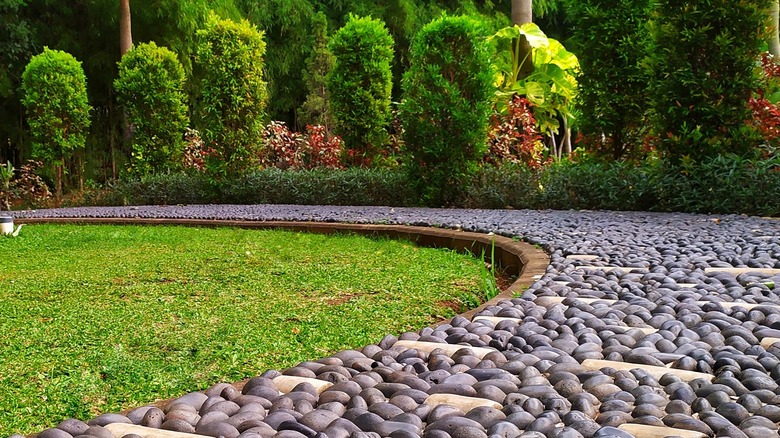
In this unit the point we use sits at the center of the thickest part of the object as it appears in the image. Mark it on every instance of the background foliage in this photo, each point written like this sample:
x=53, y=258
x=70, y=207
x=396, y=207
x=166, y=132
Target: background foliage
x=150, y=88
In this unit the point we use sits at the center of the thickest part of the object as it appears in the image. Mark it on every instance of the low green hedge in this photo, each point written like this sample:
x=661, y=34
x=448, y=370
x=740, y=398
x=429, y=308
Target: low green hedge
x=725, y=184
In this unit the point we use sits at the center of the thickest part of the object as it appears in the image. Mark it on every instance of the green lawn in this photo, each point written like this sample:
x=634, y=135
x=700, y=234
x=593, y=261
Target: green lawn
x=98, y=319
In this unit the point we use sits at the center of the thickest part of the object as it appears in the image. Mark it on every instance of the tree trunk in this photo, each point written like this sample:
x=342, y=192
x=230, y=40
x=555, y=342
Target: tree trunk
x=125, y=31
x=522, y=13
x=774, y=27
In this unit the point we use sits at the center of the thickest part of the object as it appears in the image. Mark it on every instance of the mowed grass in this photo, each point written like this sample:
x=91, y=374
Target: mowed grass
x=98, y=319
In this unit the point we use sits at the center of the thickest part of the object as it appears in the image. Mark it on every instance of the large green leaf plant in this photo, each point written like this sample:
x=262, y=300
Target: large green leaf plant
x=551, y=87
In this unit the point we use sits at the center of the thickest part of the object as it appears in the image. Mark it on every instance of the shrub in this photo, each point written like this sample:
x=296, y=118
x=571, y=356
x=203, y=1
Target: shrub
x=55, y=98
x=611, y=42
x=232, y=91
x=512, y=185
x=359, y=86
x=702, y=61
x=195, y=152
x=315, y=110
x=448, y=91
x=291, y=150
x=22, y=186
x=150, y=87
x=513, y=137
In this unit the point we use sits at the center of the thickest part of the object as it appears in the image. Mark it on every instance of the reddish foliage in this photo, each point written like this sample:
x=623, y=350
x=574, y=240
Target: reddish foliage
x=286, y=149
x=766, y=118
x=195, y=151
x=766, y=115
x=513, y=136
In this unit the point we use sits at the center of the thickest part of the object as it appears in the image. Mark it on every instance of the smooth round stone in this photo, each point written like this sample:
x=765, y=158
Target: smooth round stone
x=295, y=426
x=451, y=423
x=387, y=428
x=385, y=410
x=450, y=388
x=177, y=425
x=318, y=419
x=771, y=412
x=759, y=432
x=102, y=420
x=613, y=418
x=486, y=416
x=443, y=411
x=678, y=407
x=504, y=429
x=138, y=413
x=211, y=401
x=274, y=419
x=218, y=429
x=611, y=432
x=54, y=433
x=368, y=421
x=732, y=412
x=154, y=418
x=290, y=434
x=211, y=417
x=99, y=432
x=757, y=421
x=691, y=424
x=73, y=426
x=341, y=428
x=647, y=410
x=520, y=419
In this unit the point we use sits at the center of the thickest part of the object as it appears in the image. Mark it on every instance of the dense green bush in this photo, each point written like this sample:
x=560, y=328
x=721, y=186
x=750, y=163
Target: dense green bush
x=448, y=93
x=610, y=39
x=55, y=97
x=314, y=110
x=232, y=91
x=703, y=70
x=150, y=87
x=359, y=86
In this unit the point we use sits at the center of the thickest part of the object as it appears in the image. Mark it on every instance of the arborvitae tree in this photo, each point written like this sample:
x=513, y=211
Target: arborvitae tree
x=448, y=93
x=232, y=91
x=150, y=88
x=55, y=96
x=611, y=42
x=315, y=109
x=703, y=71
x=359, y=85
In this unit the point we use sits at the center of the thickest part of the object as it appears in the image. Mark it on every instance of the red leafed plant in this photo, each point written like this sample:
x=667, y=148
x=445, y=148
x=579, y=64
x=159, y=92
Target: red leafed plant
x=195, y=151
x=766, y=115
x=513, y=136
x=286, y=149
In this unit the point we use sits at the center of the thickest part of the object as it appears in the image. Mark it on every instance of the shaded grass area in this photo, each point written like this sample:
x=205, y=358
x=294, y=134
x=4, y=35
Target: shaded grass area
x=102, y=318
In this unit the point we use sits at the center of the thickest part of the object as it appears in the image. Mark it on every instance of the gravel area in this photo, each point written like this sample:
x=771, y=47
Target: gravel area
x=537, y=373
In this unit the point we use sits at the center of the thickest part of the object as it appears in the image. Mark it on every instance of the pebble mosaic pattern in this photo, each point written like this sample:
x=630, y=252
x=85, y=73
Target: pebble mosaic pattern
x=635, y=330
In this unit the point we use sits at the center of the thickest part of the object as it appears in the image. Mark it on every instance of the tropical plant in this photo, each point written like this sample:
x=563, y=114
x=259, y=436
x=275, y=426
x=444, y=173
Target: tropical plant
x=55, y=97
x=552, y=86
x=447, y=100
x=150, y=87
x=232, y=91
x=359, y=85
x=513, y=137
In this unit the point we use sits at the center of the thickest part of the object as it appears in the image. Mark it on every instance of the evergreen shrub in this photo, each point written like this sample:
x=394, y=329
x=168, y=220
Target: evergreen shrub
x=232, y=92
x=448, y=92
x=150, y=88
x=55, y=98
x=359, y=87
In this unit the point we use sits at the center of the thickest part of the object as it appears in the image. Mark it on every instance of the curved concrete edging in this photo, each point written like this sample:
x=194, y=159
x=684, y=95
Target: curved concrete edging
x=514, y=257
